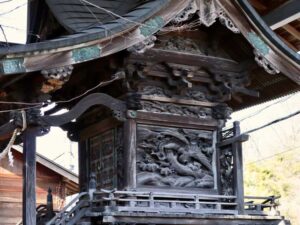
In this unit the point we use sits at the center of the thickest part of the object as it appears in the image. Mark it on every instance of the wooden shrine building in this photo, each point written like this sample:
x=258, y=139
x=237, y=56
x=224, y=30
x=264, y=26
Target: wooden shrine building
x=61, y=182
x=149, y=85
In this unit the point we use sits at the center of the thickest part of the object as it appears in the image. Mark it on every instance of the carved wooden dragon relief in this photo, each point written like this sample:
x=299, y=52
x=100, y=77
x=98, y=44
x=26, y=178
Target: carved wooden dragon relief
x=174, y=157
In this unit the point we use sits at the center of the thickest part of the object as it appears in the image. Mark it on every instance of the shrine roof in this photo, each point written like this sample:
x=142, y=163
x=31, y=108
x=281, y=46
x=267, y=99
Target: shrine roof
x=95, y=24
x=79, y=23
x=68, y=176
x=73, y=33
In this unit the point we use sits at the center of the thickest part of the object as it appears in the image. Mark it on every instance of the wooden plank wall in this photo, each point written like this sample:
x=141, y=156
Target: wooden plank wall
x=11, y=189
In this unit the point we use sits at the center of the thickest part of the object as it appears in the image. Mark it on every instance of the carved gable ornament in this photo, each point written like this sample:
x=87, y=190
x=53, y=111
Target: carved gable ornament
x=208, y=11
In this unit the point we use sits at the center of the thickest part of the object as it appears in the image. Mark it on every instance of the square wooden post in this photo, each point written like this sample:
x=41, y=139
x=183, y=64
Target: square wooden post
x=238, y=170
x=29, y=177
x=83, y=165
x=130, y=153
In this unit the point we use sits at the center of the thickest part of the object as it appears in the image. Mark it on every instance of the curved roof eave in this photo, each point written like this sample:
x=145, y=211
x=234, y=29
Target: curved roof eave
x=265, y=30
x=139, y=15
x=91, y=44
x=260, y=36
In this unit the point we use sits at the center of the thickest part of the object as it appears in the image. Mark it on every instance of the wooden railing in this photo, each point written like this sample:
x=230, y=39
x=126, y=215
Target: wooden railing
x=72, y=212
x=112, y=201
x=163, y=202
x=160, y=202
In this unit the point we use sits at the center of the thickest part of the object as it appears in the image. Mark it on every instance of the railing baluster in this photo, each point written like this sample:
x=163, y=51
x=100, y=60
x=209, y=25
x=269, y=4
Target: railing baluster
x=151, y=202
x=173, y=205
x=197, y=204
x=112, y=199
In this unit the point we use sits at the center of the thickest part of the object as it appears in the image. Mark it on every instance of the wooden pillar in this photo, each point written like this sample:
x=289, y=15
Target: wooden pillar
x=83, y=157
x=29, y=177
x=130, y=153
x=238, y=170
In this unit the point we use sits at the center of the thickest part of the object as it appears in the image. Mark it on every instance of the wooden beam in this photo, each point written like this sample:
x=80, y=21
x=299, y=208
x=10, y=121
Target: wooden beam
x=192, y=219
x=287, y=43
x=240, y=138
x=187, y=58
x=292, y=30
x=283, y=15
x=29, y=177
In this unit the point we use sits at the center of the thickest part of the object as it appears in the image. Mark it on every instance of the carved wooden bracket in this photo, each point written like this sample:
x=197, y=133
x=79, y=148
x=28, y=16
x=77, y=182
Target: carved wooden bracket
x=55, y=78
x=34, y=118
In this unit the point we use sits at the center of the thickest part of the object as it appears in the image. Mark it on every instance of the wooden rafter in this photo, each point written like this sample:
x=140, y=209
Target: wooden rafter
x=293, y=31
x=283, y=15
x=288, y=43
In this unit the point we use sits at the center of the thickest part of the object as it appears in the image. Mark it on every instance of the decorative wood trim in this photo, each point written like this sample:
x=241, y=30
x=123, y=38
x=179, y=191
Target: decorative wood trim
x=175, y=121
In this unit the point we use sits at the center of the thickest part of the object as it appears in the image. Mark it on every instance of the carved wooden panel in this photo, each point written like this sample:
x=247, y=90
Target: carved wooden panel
x=105, y=150
x=175, y=157
x=226, y=160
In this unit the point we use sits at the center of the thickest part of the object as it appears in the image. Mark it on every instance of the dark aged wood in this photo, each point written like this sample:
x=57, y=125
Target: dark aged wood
x=117, y=106
x=83, y=165
x=29, y=176
x=163, y=156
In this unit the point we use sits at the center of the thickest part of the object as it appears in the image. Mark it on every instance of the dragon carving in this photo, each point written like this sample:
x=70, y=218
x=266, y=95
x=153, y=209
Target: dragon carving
x=174, y=157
